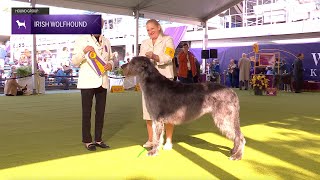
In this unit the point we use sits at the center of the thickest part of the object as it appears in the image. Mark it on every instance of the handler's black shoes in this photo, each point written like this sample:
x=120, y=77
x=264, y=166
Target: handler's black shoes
x=90, y=147
x=102, y=144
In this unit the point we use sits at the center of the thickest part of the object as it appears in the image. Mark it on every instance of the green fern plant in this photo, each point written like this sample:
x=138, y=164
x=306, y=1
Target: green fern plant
x=24, y=71
x=118, y=71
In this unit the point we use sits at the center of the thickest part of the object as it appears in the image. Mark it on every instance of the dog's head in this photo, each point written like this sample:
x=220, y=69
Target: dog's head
x=24, y=89
x=138, y=66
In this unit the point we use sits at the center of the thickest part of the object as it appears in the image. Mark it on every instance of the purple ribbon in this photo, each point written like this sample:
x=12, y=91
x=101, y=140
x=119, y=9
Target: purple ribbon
x=94, y=63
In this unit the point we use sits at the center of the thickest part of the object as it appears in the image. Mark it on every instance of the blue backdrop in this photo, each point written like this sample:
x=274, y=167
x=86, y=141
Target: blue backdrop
x=288, y=53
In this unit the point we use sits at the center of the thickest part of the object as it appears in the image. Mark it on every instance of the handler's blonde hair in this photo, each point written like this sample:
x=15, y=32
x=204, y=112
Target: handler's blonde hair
x=155, y=22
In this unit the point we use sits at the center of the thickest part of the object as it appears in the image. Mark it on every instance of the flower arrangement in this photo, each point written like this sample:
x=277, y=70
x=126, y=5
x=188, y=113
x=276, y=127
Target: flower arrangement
x=259, y=82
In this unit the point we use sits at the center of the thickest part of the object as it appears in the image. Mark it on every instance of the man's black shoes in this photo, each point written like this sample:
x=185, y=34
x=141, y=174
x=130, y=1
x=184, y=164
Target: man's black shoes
x=102, y=145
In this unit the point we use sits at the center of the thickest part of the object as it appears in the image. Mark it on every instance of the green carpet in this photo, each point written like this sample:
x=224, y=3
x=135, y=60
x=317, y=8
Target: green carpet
x=41, y=139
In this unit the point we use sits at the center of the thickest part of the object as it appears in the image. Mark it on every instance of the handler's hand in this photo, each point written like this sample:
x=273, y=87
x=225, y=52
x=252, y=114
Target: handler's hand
x=87, y=49
x=152, y=56
x=149, y=54
x=108, y=67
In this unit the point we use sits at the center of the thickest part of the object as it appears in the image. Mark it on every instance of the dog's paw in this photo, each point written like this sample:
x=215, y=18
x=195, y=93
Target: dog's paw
x=232, y=151
x=153, y=152
x=235, y=157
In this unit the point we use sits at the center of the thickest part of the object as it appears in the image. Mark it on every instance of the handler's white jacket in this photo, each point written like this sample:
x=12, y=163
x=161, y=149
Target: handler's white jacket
x=87, y=77
x=164, y=48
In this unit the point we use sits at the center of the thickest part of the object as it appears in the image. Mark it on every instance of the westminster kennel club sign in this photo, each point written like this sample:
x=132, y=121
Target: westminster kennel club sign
x=26, y=23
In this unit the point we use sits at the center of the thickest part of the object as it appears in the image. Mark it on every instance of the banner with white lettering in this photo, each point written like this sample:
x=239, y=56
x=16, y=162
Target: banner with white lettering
x=288, y=53
x=56, y=24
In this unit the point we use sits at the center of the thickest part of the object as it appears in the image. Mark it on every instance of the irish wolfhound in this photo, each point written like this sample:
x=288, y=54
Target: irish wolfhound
x=174, y=102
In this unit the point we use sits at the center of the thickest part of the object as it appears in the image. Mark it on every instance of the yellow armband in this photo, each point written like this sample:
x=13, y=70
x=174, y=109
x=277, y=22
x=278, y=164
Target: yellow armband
x=169, y=51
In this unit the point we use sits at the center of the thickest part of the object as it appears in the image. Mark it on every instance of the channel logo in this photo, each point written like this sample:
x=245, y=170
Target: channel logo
x=21, y=24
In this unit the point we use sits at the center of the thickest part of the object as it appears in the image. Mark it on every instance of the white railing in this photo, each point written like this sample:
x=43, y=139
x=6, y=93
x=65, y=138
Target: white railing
x=273, y=12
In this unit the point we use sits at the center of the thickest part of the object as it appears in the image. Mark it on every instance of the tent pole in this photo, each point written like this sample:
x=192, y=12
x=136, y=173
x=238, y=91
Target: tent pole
x=34, y=57
x=136, y=53
x=204, y=43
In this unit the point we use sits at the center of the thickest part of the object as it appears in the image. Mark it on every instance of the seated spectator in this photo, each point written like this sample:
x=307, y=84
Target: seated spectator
x=269, y=70
x=67, y=69
x=127, y=57
x=45, y=66
x=215, y=71
x=12, y=88
x=60, y=78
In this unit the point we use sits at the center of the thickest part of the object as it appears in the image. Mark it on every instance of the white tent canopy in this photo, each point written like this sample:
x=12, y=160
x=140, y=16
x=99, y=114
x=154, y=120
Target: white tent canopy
x=182, y=11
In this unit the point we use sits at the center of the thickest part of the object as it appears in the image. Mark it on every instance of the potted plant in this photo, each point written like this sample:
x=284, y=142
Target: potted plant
x=259, y=83
x=24, y=74
x=24, y=71
x=118, y=71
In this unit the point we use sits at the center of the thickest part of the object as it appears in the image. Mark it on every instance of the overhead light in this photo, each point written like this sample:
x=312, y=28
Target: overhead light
x=295, y=41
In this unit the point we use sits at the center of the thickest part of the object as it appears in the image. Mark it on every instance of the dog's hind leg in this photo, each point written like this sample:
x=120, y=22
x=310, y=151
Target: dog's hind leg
x=238, y=149
x=158, y=127
x=226, y=118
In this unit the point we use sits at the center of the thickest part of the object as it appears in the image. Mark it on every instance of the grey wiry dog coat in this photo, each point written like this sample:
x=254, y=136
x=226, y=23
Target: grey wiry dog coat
x=174, y=102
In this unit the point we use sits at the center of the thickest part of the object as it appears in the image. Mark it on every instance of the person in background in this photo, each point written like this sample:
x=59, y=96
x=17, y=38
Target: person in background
x=276, y=69
x=285, y=68
x=236, y=75
x=115, y=57
x=196, y=78
x=175, y=68
x=269, y=70
x=3, y=54
x=12, y=88
x=61, y=78
x=160, y=49
x=91, y=84
x=298, y=73
x=187, y=65
x=215, y=71
x=127, y=58
x=231, y=72
x=65, y=62
x=244, y=70
x=45, y=66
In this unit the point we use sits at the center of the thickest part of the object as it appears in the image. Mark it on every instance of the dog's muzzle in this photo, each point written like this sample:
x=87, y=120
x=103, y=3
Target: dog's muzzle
x=124, y=67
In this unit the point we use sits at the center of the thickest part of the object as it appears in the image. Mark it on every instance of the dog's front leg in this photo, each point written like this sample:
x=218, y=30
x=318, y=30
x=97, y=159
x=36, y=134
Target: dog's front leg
x=157, y=131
